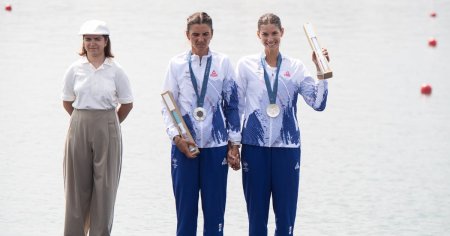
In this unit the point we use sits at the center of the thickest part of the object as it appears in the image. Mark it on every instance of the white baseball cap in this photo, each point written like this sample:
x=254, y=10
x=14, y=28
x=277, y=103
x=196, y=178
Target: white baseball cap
x=95, y=27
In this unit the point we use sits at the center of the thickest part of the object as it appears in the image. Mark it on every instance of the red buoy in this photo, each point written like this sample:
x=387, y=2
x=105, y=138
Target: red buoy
x=426, y=89
x=432, y=42
x=433, y=14
x=8, y=7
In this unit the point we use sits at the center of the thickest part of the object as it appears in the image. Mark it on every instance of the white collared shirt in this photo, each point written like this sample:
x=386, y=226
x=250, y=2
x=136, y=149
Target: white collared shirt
x=221, y=101
x=96, y=89
x=282, y=131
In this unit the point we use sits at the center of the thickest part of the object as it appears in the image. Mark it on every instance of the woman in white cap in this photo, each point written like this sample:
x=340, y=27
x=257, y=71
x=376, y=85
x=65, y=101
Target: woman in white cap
x=97, y=96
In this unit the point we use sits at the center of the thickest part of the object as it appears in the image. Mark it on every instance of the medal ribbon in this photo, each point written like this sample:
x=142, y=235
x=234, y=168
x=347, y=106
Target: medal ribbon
x=201, y=97
x=271, y=92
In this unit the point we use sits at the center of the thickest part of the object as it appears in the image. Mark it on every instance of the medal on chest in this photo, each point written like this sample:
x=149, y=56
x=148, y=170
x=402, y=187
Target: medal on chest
x=272, y=110
x=199, y=112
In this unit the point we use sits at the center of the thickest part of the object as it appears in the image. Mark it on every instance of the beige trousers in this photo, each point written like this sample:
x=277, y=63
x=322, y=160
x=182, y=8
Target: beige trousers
x=92, y=163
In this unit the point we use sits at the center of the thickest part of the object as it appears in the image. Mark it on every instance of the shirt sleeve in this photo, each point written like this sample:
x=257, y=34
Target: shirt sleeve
x=123, y=87
x=170, y=84
x=231, y=103
x=68, y=93
x=314, y=93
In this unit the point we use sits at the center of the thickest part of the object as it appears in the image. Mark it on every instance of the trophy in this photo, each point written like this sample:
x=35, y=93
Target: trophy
x=314, y=42
x=177, y=119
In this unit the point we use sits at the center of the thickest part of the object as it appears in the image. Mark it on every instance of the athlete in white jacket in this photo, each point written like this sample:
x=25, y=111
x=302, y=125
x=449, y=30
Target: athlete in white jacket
x=269, y=85
x=204, y=88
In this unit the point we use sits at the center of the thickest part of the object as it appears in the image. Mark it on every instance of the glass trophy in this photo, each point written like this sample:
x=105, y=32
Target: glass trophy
x=314, y=42
x=178, y=120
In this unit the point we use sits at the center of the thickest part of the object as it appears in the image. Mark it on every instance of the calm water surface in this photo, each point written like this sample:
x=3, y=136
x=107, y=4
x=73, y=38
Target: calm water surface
x=375, y=162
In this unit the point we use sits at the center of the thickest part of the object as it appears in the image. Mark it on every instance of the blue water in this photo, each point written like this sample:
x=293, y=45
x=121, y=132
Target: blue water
x=375, y=162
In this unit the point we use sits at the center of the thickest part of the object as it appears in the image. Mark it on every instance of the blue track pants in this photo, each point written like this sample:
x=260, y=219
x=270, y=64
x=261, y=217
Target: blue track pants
x=270, y=171
x=207, y=174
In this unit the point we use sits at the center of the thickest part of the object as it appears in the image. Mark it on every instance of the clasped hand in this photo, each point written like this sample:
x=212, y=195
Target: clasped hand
x=233, y=157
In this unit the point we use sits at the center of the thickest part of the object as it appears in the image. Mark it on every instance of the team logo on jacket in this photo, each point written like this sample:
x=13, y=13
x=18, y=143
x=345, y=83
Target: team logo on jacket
x=224, y=162
x=297, y=166
x=213, y=74
x=287, y=74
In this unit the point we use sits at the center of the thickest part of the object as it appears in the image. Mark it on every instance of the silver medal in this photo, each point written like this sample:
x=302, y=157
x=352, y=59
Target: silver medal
x=199, y=113
x=273, y=110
